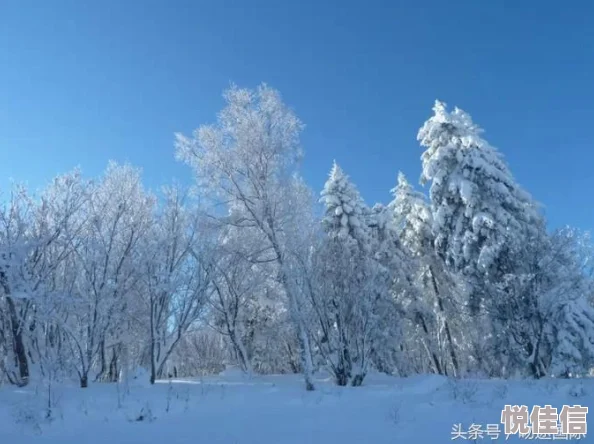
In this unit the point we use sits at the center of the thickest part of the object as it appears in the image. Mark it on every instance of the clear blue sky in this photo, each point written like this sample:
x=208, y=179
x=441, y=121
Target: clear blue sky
x=83, y=82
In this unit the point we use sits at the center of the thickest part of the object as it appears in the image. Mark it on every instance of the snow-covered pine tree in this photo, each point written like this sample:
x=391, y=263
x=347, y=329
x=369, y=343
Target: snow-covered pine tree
x=481, y=217
x=340, y=258
x=413, y=218
x=352, y=283
x=345, y=211
x=431, y=306
x=393, y=273
x=479, y=211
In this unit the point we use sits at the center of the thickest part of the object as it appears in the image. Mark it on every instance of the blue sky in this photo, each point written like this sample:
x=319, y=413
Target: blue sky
x=83, y=82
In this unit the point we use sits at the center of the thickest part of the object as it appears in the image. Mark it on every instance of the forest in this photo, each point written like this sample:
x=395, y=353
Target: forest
x=250, y=267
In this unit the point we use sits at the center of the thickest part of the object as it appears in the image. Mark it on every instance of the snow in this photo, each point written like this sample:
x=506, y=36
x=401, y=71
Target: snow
x=233, y=409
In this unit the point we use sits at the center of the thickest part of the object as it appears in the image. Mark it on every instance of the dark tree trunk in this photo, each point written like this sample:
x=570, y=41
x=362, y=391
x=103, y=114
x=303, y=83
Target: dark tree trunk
x=432, y=354
x=358, y=380
x=100, y=376
x=239, y=351
x=113, y=367
x=341, y=376
x=446, y=324
x=18, y=344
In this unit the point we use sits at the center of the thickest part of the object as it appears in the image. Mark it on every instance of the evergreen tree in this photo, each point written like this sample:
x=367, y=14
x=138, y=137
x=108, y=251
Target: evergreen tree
x=432, y=306
x=479, y=211
x=482, y=218
x=345, y=211
x=351, y=283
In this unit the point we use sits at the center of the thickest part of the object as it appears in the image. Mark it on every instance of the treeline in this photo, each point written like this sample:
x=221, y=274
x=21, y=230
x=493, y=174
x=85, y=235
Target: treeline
x=101, y=277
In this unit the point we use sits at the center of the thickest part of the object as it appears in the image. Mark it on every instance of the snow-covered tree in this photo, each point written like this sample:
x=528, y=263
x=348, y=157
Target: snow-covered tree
x=15, y=242
x=245, y=167
x=117, y=217
x=544, y=309
x=345, y=211
x=413, y=218
x=174, y=286
x=351, y=282
x=60, y=210
x=35, y=242
x=236, y=283
x=481, y=217
x=480, y=213
x=573, y=327
x=431, y=302
x=395, y=270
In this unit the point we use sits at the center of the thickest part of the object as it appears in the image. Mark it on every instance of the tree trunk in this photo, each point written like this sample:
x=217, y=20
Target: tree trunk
x=301, y=328
x=446, y=324
x=153, y=344
x=18, y=344
x=101, y=373
x=341, y=376
x=113, y=367
x=240, y=352
x=358, y=380
x=432, y=355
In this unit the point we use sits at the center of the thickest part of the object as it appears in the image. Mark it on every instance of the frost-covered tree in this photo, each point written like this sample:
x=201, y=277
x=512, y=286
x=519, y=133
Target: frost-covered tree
x=246, y=167
x=345, y=211
x=431, y=302
x=343, y=257
x=117, y=216
x=236, y=283
x=60, y=210
x=573, y=278
x=413, y=218
x=480, y=214
x=202, y=351
x=481, y=217
x=544, y=309
x=174, y=285
x=16, y=239
x=35, y=242
x=247, y=305
x=394, y=285
x=351, y=282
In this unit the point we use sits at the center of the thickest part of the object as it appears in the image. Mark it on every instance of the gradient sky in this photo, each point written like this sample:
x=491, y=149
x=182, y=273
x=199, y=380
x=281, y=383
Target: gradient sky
x=84, y=82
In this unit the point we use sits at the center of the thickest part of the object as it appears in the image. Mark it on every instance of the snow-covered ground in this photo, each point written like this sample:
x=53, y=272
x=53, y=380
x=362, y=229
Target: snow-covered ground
x=233, y=409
